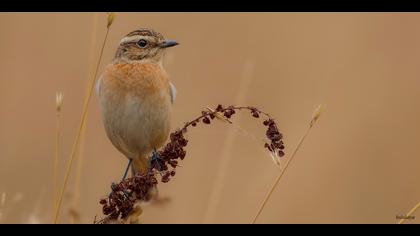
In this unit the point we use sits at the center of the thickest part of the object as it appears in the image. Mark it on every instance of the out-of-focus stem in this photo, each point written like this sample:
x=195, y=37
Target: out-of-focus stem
x=80, y=129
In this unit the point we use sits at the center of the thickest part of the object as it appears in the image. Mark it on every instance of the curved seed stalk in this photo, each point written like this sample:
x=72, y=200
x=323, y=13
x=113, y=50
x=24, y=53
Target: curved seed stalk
x=82, y=121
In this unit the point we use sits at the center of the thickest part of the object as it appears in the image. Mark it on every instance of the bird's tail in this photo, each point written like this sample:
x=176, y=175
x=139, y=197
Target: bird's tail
x=140, y=165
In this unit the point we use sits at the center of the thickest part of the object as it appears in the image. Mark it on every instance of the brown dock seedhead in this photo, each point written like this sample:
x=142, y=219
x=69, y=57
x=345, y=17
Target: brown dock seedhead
x=120, y=203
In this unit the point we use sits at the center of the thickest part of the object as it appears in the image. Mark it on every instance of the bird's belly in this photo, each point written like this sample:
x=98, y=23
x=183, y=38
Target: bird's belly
x=136, y=126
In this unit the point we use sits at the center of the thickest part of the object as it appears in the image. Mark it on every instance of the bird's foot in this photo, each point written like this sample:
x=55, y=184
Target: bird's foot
x=113, y=187
x=156, y=158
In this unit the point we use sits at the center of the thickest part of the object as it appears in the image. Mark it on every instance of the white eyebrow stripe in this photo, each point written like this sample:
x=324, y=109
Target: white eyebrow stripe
x=135, y=38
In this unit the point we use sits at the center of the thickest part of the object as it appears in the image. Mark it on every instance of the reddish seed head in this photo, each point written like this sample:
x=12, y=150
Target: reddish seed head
x=206, y=120
x=123, y=196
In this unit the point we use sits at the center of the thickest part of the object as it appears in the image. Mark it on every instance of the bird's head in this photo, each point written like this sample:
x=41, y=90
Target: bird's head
x=143, y=45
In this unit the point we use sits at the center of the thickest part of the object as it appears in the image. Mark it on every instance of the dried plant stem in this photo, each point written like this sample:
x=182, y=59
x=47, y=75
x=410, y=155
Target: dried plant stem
x=74, y=210
x=315, y=117
x=410, y=213
x=56, y=162
x=80, y=158
x=120, y=203
x=280, y=175
x=59, y=97
x=79, y=132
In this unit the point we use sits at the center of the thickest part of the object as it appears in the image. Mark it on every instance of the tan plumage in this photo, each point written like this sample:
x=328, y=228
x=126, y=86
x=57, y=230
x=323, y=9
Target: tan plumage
x=136, y=98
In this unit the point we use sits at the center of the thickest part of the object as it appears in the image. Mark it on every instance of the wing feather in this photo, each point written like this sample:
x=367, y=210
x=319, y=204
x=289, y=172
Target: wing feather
x=173, y=92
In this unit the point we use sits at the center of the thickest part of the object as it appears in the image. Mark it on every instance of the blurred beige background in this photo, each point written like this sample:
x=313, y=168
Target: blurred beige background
x=360, y=164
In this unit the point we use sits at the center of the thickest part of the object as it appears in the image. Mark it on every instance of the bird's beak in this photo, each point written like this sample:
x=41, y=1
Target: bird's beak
x=168, y=43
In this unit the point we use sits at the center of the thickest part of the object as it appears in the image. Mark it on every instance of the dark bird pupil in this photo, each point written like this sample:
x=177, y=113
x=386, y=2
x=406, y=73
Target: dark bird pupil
x=142, y=43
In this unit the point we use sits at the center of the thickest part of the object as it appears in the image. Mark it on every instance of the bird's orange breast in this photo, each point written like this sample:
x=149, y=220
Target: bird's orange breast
x=141, y=80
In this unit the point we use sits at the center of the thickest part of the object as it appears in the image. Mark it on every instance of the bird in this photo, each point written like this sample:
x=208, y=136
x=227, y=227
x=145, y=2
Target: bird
x=136, y=98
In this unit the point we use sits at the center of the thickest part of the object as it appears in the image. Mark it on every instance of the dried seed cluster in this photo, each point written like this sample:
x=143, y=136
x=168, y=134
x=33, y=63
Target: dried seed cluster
x=275, y=137
x=120, y=202
x=170, y=154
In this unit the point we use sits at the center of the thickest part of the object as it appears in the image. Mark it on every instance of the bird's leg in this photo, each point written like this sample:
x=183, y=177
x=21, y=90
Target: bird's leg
x=126, y=170
x=124, y=177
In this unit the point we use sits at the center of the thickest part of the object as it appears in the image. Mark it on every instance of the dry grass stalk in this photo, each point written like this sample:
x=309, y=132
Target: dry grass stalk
x=74, y=211
x=82, y=121
x=411, y=212
x=59, y=98
x=110, y=19
x=219, y=116
x=314, y=118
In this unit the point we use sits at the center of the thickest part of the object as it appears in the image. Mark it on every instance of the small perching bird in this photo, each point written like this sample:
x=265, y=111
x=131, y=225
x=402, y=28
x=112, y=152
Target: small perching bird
x=136, y=97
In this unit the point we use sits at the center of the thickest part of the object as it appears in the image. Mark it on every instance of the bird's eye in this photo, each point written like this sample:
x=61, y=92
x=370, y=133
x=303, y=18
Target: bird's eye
x=142, y=43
